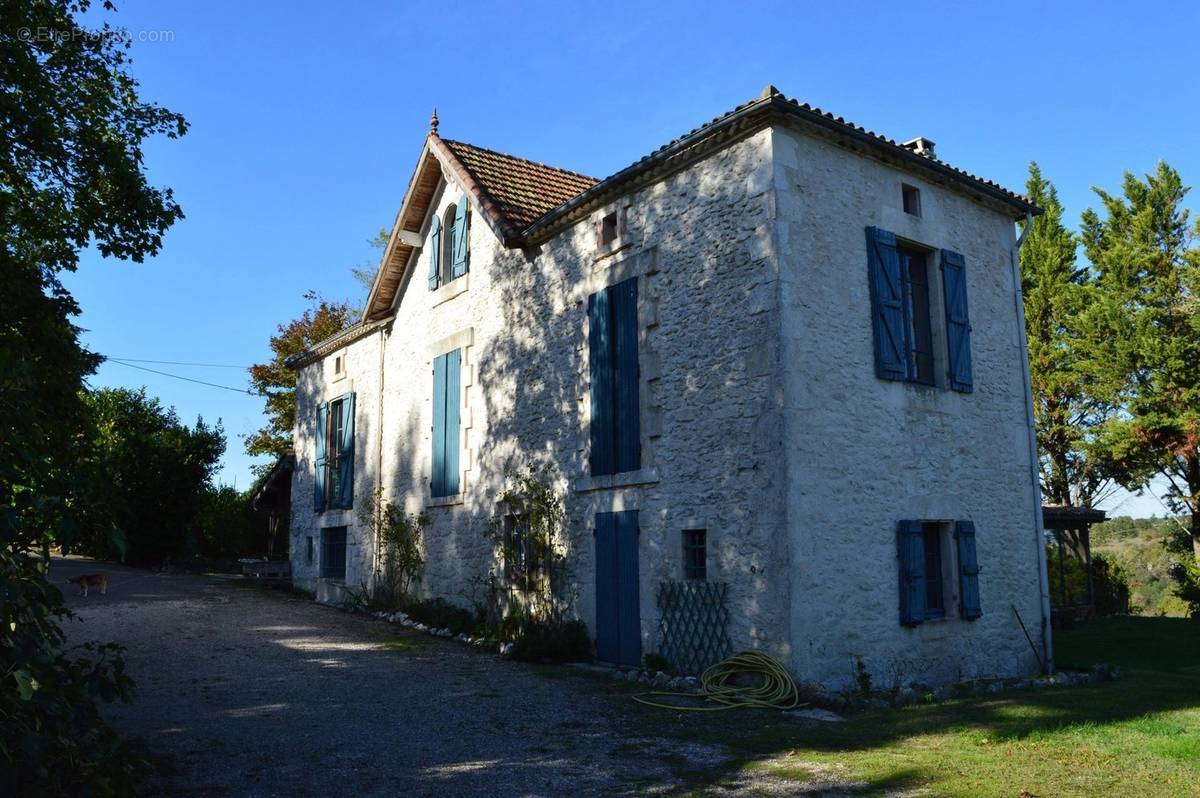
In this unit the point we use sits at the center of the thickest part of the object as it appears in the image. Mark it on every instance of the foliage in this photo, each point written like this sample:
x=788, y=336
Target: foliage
x=226, y=526
x=553, y=641
x=364, y=274
x=440, y=614
x=276, y=381
x=398, y=536
x=52, y=740
x=1057, y=291
x=151, y=476
x=1145, y=341
x=532, y=582
x=1146, y=551
x=71, y=175
x=657, y=662
x=1110, y=585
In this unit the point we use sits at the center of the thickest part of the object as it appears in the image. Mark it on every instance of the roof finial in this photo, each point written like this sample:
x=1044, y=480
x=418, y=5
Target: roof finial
x=768, y=92
x=433, y=121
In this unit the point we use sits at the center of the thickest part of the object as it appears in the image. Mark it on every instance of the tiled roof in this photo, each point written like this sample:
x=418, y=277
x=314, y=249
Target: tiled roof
x=522, y=191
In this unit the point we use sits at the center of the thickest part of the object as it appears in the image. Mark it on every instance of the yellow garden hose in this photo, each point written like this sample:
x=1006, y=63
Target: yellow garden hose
x=777, y=691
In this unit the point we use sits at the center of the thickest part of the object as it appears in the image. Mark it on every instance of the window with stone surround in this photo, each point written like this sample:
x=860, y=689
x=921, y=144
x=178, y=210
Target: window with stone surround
x=938, y=568
x=615, y=390
x=695, y=554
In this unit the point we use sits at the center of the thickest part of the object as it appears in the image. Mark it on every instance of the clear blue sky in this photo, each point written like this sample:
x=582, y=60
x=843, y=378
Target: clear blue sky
x=307, y=118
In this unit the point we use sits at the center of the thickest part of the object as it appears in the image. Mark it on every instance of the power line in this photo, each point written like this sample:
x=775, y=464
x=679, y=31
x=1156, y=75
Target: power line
x=246, y=391
x=178, y=363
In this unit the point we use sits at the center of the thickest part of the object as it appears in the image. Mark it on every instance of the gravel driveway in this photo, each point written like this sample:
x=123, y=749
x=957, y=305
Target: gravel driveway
x=251, y=692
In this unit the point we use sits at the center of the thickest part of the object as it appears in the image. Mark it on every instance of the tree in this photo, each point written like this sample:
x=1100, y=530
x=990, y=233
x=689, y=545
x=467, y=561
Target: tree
x=276, y=381
x=72, y=127
x=1067, y=412
x=365, y=272
x=1146, y=335
x=156, y=473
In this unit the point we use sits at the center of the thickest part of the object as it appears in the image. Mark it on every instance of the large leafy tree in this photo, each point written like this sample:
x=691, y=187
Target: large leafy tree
x=1066, y=408
x=72, y=126
x=1146, y=337
x=276, y=381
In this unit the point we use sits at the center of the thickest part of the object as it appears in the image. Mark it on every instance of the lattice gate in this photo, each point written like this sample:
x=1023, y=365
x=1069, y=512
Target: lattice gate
x=694, y=617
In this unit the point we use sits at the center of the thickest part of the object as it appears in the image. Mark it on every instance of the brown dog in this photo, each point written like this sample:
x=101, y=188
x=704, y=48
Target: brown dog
x=90, y=580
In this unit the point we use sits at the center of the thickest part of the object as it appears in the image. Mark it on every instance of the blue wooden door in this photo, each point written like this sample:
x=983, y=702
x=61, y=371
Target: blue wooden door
x=618, y=616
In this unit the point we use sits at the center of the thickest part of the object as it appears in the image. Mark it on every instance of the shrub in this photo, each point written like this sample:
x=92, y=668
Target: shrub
x=440, y=614
x=52, y=740
x=553, y=641
x=1110, y=585
x=398, y=535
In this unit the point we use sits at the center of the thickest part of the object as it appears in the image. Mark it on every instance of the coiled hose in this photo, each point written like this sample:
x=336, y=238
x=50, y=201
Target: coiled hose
x=777, y=689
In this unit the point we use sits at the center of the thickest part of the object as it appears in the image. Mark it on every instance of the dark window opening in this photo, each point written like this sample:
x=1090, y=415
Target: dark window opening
x=608, y=229
x=912, y=199
x=695, y=554
x=915, y=273
x=333, y=553
x=448, y=224
x=333, y=445
x=310, y=551
x=523, y=560
x=935, y=603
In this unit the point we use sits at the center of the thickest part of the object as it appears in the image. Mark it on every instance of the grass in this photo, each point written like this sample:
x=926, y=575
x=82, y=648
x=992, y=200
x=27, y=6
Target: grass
x=1139, y=736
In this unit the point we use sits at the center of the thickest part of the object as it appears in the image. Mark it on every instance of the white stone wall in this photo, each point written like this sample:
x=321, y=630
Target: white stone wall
x=864, y=453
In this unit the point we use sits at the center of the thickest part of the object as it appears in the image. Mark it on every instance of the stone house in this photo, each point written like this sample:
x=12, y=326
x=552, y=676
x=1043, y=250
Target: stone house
x=748, y=361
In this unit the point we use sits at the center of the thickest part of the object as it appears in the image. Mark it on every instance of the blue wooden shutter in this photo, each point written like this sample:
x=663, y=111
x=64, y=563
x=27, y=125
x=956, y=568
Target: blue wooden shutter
x=887, y=305
x=600, y=359
x=345, y=497
x=437, y=471
x=461, y=250
x=628, y=440
x=435, y=252
x=319, y=462
x=958, y=322
x=453, y=405
x=629, y=604
x=910, y=546
x=968, y=571
x=607, y=615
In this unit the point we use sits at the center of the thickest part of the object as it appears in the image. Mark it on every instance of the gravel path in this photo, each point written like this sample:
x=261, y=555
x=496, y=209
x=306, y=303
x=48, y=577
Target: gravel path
x=250, y=692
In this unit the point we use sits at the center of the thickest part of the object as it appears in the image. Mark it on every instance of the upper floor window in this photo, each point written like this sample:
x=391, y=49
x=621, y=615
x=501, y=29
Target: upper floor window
x=447, y=398
x=902, y=315
x=911, y=196
x=615, y=396
x=450, y=244
x=334, y=478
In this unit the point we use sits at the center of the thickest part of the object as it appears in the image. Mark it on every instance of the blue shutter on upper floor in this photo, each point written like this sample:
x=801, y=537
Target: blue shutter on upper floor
x=887, y=305
x=437, y=463
x=958, y=322
x=601, y=371
x=629, y=605
x=607, y=580
x=345, y=497
x=319, y=461
x=969, y=607
x=453, y=405
x=435, y=252
x=627, y=412
x=910, y=549
x=461, y=251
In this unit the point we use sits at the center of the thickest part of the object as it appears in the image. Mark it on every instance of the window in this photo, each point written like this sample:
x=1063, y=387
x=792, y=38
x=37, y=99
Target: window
x=339, y=366
x=310, y=550
x=902, y=316
x=916, y=314
x=695, y=554
x=447, y=399
x=931, y=554
x=334, y=480
x=333, y=553
x=524, y=561
x=912, y=199
x=615, y=395
x=608, y=230
x=449, y=244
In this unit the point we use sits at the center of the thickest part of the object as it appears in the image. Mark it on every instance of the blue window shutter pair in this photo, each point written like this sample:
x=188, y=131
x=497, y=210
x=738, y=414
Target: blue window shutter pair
x=320, y=461
x=444, y=470
x=911, y=553
x=958, y=323
x=435, y=252
x=461, y=246
x=615, y=379
x=888, y=312
x=618, y=607
x=345, y=497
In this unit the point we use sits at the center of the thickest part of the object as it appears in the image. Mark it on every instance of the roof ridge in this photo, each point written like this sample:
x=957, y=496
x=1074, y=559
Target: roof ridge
x=523, y=160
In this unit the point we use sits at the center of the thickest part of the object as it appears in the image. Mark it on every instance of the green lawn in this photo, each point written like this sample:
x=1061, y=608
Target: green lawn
x=1139, y=736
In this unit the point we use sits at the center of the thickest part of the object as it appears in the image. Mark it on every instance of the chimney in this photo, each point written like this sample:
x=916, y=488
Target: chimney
x=921, y=146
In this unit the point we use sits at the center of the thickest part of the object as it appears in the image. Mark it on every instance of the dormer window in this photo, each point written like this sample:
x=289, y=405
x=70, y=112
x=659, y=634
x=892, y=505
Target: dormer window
x=450, y=244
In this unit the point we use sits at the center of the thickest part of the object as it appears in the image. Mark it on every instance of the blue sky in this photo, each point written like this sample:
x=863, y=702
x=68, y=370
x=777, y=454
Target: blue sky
x=307, y=118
